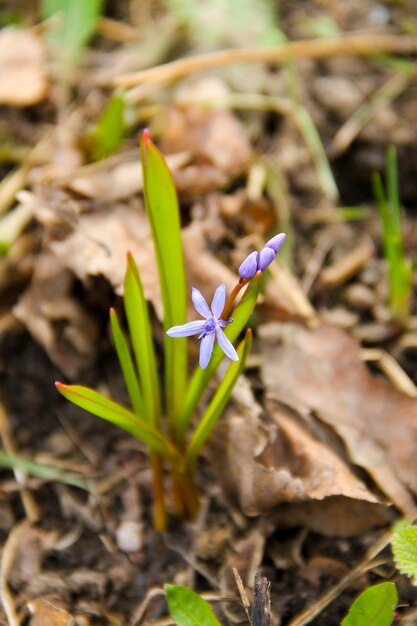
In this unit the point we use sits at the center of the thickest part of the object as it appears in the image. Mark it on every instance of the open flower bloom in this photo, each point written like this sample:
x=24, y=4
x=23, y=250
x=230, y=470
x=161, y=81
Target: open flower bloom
x=208, y=328
x=259, y=261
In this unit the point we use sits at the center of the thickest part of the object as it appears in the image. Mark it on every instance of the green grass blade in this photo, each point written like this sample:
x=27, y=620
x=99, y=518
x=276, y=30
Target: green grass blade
x=41, y=470
x=399, y=271
x=219, y=401
x=201, y=378
x=137, y=315
x=162, y=208
x=126, y=363
x=76, y=21
x=187, y=608
x=97, y=404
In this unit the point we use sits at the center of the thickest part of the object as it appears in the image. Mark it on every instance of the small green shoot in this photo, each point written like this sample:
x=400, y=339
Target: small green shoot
x=404, y=547
x=164, y=405
x=374, y=607
x=187, y=608
x=72, y=24
x=399, y=269
x=107, y=135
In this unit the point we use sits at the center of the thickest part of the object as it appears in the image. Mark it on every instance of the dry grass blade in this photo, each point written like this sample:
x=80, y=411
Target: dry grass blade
x=6, y=566
x=389, y=91
x=28, y=501
x=308, y=614
x=312, y=48
x=392, y=369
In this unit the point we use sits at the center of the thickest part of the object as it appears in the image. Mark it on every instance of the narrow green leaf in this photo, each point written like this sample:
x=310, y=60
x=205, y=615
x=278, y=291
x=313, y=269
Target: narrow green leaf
x=140, y=330
x=162, y=208
x=399, y=270
x=187, y=608
x=40, y=470
x=404, y=547
x=219, y=400
x=74, y=23
x=201, y=378
x=126, y=363
x=108, y=133
x=374, y=607
x=97, y=404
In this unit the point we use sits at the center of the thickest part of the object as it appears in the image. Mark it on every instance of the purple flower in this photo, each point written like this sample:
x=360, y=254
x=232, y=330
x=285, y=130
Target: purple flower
x=259, y=261
x=209, y=327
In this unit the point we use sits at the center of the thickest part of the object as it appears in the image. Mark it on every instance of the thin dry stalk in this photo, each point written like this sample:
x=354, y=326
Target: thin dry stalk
x=392, y=369
x=347, y=133
x=6, y=566
x=308, y=614
x=364, y=44
x=28, y=501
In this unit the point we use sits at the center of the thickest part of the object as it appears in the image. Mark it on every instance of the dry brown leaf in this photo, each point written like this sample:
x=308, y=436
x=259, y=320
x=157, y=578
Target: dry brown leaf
x=29, y=554
x=55, y=318
x=100, y=242
x=280, y=461
x=46, y=613
x=23, y=80
x=322, y=371
x=274, y=461
x=115, y=178
x=215, y=138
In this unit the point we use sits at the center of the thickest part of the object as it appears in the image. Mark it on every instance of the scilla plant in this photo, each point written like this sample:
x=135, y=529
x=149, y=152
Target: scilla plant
x=161, y=413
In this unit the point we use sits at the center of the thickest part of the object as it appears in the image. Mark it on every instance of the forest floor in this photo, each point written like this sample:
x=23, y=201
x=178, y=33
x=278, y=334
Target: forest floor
x=316, y=455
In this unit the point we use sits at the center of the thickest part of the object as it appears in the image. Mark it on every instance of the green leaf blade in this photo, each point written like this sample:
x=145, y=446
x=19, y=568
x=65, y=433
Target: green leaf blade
x=187, y=608
x=76, y=21
x=162, y=208
x=219, y=400
x=374, y=607
x=108, y=133
x=404, y=547
x=137, y=314
x=101, y=406
x=126, y=363
x=201, y=378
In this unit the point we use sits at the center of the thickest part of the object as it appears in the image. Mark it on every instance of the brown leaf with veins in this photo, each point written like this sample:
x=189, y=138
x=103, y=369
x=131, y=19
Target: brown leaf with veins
x=321, y=371
x=275, y=461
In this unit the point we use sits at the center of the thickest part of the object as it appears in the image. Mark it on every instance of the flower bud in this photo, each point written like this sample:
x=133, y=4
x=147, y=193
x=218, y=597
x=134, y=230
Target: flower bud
x=276, y=242
x=249, y=266
x=266, y=256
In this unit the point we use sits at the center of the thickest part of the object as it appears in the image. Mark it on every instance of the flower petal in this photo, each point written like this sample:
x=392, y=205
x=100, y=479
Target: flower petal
x=200, y=303
x=206, y=348
x=249, y=267
x=266, y=256
x=226, y=346
x=276, y=242
x=218, y=301
x=186, y=330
